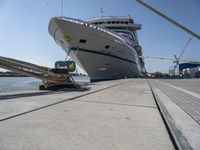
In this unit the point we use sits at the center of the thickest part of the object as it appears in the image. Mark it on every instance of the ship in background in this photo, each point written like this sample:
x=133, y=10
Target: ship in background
x=106, y=47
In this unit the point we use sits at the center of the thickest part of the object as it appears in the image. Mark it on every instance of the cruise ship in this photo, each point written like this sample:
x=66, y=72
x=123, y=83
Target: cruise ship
x=106, y=47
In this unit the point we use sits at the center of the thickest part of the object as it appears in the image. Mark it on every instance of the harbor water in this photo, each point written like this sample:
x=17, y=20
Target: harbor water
x=10, y=84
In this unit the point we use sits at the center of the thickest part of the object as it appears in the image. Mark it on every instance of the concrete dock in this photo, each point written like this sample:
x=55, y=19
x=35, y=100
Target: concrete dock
x=179, y=101
x=119, y=114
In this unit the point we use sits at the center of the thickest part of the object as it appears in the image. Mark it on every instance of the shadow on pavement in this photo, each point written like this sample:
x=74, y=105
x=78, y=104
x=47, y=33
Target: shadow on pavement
x=40, y=93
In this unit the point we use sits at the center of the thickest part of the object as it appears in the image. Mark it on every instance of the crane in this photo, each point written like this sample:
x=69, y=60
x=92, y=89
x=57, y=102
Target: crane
x=176, y=59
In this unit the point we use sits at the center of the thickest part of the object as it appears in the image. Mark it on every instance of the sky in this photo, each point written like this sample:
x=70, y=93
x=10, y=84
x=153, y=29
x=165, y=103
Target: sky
x=24, y=28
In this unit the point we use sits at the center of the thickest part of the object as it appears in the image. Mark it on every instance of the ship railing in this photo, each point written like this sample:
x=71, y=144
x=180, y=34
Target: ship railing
x=110, y=32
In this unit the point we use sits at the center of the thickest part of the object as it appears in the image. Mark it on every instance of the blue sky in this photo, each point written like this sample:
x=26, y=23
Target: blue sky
x=24, y=28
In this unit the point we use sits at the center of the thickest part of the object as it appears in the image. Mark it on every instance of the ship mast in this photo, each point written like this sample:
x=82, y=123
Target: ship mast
x=101, y=12
x=61, y=9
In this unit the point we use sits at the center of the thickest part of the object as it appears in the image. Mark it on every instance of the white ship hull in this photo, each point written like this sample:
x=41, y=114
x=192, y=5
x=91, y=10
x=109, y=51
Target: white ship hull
x=101, y=53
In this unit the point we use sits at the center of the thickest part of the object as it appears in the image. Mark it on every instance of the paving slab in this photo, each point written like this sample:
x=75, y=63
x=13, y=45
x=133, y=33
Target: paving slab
x=122, y=116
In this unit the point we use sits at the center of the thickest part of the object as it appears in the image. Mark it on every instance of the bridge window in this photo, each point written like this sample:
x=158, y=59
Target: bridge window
x=130, y=21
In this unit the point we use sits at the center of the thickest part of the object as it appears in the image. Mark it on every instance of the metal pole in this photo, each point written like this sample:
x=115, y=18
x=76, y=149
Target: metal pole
x=101, y=12
x=186, y=45
x=61, y=7
x=169, y=19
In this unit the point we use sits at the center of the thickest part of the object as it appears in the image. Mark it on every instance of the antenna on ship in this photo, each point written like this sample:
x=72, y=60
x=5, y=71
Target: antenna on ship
x=101, y=12
x=61, y=11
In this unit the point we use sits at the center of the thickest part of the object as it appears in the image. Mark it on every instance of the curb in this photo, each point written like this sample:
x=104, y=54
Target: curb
x=177, y=138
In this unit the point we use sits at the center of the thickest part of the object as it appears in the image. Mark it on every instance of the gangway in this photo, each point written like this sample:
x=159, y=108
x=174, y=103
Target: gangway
x=52, y=78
